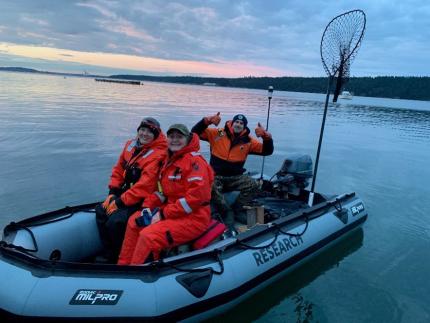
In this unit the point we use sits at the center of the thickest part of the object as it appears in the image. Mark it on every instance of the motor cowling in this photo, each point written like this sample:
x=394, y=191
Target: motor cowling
x=294, y=175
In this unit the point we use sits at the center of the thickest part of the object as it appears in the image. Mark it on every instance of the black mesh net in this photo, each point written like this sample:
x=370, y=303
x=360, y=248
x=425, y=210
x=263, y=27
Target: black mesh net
x=339, y=45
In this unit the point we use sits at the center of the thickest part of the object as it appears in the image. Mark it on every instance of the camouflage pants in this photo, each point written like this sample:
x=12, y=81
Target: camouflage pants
x=244, y=184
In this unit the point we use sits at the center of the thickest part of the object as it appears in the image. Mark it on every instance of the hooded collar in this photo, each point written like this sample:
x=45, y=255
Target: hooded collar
x=158, y=143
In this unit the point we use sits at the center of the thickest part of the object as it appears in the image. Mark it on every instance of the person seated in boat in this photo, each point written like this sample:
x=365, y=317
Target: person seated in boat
x=183, y=199
x=134, y=178
x=230, y=146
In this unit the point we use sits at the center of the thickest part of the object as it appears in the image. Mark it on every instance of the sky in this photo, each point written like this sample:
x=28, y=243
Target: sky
x=220, y=38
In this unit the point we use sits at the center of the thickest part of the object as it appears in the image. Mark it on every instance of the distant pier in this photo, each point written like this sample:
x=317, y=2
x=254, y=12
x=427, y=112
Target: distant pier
x=119, y=81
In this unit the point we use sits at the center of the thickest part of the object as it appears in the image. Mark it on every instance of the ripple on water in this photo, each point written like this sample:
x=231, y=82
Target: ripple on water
x=60, y=137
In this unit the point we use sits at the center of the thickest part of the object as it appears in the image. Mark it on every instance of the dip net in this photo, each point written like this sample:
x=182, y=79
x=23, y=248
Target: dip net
x=339, y=45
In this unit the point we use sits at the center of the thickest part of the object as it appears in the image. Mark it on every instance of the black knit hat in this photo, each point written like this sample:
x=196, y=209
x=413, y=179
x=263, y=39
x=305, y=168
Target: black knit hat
x=242, y=118
x=152, y=124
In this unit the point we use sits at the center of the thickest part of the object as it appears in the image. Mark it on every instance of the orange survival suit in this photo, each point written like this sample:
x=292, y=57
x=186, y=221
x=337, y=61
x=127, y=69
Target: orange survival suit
x=136, y=172
x=134, y=178
x=186, y=180
x=229, y=151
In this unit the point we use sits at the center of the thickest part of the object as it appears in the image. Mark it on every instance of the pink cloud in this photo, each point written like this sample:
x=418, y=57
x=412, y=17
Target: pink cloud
x=145, y=64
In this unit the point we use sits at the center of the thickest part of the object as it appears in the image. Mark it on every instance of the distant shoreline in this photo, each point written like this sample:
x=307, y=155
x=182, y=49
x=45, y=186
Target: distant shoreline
x=31, y=70
x=390, y=87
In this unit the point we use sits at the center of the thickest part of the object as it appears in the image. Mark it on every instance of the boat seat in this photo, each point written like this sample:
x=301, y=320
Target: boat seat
x=213, y=233
x=215, y=230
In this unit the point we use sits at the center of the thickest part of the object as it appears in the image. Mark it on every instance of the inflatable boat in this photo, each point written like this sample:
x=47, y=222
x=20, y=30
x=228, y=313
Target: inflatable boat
x=49, y=268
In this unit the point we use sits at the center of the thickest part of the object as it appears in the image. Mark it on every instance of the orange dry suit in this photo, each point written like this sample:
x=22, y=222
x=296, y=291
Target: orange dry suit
x=228, y=150
x=185, y=180
x=134, y=177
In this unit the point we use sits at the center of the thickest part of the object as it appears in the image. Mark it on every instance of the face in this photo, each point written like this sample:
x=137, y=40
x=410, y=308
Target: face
x=145, y=136
x=238, y=126
x=176, y=140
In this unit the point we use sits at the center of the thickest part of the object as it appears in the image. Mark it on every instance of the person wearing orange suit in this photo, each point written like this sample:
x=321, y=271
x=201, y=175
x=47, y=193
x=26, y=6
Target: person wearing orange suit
x=133, y=179
x=183, y=199
x=230, y=147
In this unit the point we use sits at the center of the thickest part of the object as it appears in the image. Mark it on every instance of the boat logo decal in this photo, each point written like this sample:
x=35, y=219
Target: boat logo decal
x=96, y=297
x=356, y=209
x=276, y=249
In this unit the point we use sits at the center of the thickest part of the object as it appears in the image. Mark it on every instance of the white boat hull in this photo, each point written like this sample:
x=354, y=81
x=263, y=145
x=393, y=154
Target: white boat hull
x=34, y=287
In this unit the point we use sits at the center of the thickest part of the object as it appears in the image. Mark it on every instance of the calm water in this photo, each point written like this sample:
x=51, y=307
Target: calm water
x=59, y=138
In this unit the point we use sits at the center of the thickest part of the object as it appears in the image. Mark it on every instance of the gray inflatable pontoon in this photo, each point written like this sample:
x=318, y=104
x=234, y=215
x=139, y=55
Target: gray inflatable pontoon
x=48, y=270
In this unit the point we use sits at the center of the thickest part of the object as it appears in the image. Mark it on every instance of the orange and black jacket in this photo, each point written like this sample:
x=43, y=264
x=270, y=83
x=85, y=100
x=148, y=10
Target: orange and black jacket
x=229, y=151
x=135, y=175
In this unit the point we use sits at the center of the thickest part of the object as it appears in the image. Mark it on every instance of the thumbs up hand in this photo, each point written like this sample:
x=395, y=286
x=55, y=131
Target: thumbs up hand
x=260, y=132
x=215, y=119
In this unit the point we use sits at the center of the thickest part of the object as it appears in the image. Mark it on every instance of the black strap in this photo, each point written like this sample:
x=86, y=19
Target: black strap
x=169, y=238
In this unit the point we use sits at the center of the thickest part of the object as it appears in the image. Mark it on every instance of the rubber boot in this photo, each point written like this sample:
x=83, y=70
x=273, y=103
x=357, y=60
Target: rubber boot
x=229, y=219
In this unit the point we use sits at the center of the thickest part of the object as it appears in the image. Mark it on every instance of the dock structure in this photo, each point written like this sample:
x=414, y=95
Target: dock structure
x=119, y=81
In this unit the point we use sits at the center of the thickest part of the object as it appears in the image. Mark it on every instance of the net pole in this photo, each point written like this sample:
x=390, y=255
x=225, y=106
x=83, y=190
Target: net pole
x=312, y=192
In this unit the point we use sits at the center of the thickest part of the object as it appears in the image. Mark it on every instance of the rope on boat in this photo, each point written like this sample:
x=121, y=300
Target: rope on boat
x=13, y=226
x=275, y=238
x=337, y=205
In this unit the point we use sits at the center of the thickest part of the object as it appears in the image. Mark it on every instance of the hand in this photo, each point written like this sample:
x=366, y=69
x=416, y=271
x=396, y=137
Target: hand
x=113, y=206
x=108, y=200
x=156, y=217
x=260, y=132
x=215, y=119
x=144, y=219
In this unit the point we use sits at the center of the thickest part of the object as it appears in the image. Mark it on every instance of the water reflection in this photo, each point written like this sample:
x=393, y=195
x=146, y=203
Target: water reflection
x=59, y=139
x=287, y=288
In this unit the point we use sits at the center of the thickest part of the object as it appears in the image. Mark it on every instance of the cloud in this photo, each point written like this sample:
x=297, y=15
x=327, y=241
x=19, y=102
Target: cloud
x=40, y=22
x=137, y=63
x=282, y=36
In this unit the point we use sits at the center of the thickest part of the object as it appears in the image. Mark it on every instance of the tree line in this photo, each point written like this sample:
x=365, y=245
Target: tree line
x=395, y=87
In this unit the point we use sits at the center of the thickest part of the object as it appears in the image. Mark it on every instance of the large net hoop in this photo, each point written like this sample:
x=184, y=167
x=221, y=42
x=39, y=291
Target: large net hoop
x=339, y=45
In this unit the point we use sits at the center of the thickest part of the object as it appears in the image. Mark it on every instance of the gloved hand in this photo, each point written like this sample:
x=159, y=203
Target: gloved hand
x=156, y=216
x=108, y=200
x=260, y=132
x=114, y=205
x=147, y=217
x=215, y=119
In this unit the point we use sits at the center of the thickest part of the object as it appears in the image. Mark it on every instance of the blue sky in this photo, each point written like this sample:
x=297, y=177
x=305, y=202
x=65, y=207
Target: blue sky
x=208, y=38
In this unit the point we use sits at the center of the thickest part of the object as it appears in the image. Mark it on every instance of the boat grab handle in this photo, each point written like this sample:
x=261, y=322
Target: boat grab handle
x=217, y=253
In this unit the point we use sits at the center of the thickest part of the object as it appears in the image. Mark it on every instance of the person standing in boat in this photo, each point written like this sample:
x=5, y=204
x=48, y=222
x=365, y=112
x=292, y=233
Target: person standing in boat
x=230, y=146
x=183, y=199
x=134, y=178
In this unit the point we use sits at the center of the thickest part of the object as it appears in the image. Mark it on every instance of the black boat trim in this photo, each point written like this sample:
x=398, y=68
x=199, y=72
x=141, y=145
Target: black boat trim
x=231, y=295
x=216, y=301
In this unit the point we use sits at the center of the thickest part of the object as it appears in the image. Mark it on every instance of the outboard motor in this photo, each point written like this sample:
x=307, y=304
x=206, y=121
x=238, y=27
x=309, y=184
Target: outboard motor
x=294, y=175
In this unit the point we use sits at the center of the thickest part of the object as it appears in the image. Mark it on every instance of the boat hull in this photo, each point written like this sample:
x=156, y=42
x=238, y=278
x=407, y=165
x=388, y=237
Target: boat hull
x=192, y=287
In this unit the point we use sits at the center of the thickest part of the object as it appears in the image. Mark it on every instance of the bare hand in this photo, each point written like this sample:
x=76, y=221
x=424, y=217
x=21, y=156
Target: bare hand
x=260, y=132
x=215, y=119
